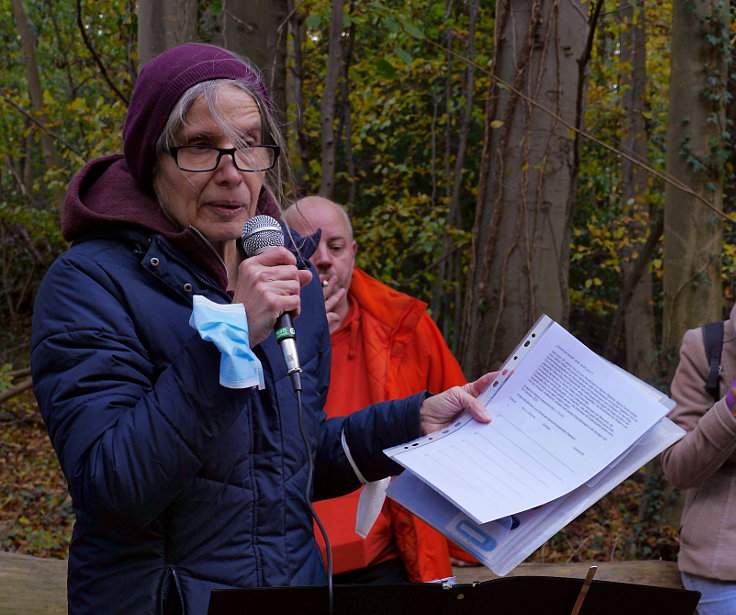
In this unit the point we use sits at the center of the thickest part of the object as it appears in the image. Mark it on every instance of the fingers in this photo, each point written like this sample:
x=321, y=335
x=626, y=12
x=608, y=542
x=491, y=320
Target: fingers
x=474, y=389
x=476, y=409
x=275, y=267
x=465, y=398
x=478, y=386
x=334, y=299
x=333, y=295
x=329, y=286
x=268, y=285
x=333, y=320
x=305, y=277
x=439, y=411
x=272, y=257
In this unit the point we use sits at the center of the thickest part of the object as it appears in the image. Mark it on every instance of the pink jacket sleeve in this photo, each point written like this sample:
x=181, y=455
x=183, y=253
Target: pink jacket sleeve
x=711, y=438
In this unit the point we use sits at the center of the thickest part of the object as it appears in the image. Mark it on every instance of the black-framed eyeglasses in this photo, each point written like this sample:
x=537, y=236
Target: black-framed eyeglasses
x=198, y=158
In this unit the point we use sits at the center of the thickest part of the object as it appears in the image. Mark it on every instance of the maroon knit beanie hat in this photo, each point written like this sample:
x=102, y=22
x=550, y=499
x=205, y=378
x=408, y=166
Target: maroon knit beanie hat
x=160, y=84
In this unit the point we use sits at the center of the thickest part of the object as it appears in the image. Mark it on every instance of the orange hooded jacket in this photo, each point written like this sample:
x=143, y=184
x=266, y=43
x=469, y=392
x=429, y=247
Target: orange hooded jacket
x=405, y=353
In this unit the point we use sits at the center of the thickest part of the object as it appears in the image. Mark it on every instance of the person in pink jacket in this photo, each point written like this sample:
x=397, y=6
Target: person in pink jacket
x=703, y=464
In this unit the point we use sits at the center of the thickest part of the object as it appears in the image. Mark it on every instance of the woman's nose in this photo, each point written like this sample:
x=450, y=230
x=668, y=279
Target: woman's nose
x=226, y=169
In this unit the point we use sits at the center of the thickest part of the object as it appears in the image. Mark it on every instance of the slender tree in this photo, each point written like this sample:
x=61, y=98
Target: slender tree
x=35, y=90
x=295, y=91
x=258, y=30
x=345, y=126
x=521, y=231
x=163, y=24
x=693, y=292
x=328, y=140
x=641, y=355
x=448, y=306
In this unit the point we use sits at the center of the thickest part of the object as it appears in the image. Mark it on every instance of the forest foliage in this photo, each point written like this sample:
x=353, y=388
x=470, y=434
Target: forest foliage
x=401, y=105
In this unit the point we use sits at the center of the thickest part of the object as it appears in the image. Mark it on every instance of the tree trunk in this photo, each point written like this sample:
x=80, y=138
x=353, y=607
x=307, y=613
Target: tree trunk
x=695, y=148
x=446, y=306
x=641, y=355
x=345, y=132
x=35, y=90
x=521, y=232
x=328, y=139
x=163, y=24
x=299, y=149
x=258, y=30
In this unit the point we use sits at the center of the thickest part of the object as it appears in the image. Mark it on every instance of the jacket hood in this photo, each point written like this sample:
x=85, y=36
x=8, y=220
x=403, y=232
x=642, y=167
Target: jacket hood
x=104, y=197
x=393, y=308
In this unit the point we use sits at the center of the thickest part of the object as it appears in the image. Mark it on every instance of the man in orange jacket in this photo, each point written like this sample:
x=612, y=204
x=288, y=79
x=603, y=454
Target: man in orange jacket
x=384, y=345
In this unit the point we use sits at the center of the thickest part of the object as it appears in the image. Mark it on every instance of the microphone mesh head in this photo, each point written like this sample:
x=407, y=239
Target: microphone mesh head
x=259, y=233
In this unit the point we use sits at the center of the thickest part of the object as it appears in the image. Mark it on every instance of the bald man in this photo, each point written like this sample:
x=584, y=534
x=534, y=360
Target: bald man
x=384, y=346
x=334, y=258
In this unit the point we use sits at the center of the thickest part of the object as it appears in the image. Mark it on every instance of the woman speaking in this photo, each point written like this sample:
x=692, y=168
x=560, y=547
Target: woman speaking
x=180, y=484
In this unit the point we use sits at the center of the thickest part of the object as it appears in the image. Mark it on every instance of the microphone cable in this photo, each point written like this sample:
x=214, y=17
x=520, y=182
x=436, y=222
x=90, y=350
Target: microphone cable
x=308, y=500
x=260, y=233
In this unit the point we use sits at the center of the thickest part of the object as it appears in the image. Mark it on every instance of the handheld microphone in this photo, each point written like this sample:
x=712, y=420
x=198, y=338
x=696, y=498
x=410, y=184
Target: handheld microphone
x=260, y=233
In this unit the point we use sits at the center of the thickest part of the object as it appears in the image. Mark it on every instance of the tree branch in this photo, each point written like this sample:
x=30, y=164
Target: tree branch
x=237, y=20
x=19, y=373
x=637, y=270
x=41, y=125
x=16, y=390
x=664, y=176
x=88, y=44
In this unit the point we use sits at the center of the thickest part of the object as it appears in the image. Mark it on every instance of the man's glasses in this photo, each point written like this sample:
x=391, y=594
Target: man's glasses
x=206, y=157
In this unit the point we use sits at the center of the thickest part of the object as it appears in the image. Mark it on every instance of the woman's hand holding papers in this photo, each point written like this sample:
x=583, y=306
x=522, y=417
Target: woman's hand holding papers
x=439, y=411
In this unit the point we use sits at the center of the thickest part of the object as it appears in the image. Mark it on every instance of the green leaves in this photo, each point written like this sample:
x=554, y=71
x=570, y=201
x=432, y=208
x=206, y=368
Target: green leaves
x=391, y=24
x=313, y=21
x=404, y=55
x=405, y=106
x=394, y=20
x=384, y=68
x=411, y=28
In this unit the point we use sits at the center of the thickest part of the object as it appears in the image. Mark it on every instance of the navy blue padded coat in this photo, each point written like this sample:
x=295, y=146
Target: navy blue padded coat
x=181, y=485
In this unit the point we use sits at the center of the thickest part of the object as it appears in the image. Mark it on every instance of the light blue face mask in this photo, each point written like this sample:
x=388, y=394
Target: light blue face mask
x=226, y=326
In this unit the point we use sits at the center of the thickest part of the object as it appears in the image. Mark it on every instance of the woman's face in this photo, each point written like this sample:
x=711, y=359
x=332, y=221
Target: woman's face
x=218, y=202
